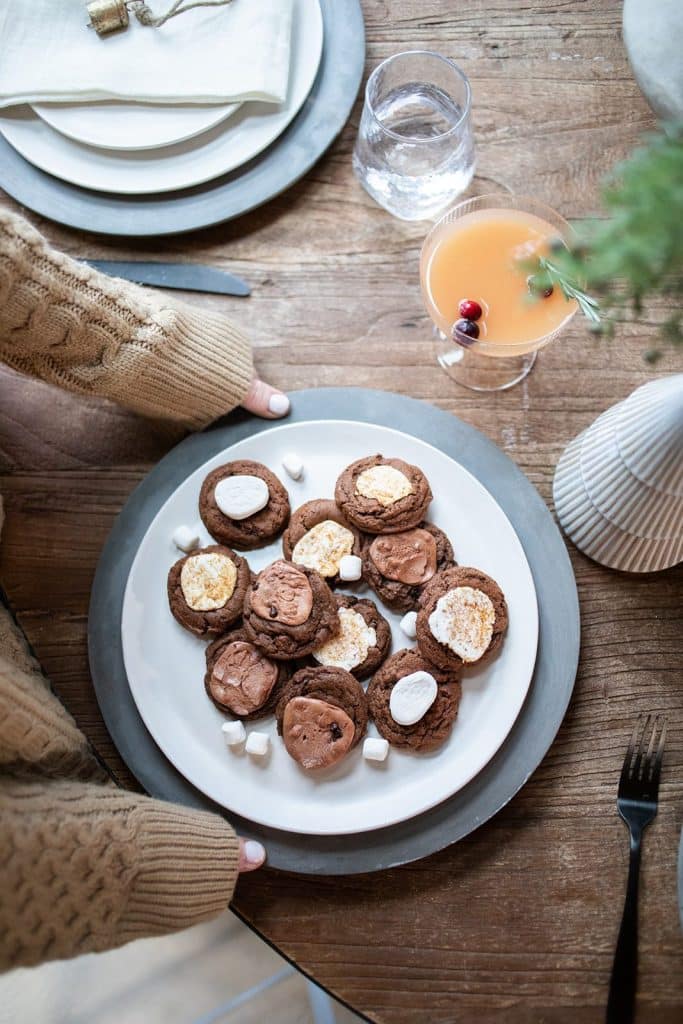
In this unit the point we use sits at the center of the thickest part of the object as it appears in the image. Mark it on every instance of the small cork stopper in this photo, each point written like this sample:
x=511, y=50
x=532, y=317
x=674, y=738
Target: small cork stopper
x=108, y=16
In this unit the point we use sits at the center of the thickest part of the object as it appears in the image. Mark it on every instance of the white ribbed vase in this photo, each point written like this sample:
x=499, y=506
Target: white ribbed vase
x=618, y=487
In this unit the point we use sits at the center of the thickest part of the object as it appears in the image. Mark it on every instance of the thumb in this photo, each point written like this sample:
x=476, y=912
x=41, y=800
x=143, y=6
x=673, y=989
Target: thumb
x=264, y=400
x=251, y=855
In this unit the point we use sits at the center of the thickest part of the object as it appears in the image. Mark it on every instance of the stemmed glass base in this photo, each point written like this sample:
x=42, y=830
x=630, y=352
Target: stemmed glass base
x=477, y=372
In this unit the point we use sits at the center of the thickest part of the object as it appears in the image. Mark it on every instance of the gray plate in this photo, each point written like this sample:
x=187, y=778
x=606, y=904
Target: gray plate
x=317, y=124
x=539, y=720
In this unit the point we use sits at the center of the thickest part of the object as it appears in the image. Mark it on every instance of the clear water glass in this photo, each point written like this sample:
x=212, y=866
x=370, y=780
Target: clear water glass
x=415, y=153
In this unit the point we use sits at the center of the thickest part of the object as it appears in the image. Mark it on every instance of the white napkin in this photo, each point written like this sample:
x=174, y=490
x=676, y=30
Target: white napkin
x=48, y=53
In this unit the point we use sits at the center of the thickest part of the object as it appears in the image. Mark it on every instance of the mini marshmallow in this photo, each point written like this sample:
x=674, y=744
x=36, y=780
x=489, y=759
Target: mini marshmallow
x=350, y=567
x=375, y=749
x=239, y=497
x=408, y=624
x=258, y=744
x=233, y=733
x=293, y=465
x=185, y=538
x=412, y=697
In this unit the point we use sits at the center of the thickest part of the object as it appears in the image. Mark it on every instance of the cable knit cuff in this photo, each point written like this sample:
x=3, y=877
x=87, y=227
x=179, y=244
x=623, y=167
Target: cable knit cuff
x=187, y=869
x=203, y=369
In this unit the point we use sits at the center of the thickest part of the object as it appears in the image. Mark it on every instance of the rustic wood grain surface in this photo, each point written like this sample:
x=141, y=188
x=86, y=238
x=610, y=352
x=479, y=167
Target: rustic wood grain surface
x=519, y=921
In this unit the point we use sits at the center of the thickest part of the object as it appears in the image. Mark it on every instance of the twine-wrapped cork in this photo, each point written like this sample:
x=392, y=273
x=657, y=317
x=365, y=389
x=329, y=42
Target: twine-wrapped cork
x=108, y=16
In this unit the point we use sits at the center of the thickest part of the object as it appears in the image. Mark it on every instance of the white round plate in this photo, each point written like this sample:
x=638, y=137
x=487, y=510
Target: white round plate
x=165, y=664
x=126, y=126
x=215, y=152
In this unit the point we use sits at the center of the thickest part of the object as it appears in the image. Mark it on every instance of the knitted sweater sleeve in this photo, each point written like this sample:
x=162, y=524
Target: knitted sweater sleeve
x=64, y=322
x=87, y=867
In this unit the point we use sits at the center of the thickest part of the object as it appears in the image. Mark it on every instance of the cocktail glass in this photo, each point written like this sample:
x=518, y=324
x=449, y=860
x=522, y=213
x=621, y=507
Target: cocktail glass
x=478, y=251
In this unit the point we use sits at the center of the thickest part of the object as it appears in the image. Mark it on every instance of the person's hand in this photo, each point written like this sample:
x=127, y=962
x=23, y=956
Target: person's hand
x=263, y=400
x=251, y=855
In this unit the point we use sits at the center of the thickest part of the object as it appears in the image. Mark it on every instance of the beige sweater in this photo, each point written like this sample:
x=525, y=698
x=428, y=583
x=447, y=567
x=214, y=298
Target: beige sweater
x=85, y=865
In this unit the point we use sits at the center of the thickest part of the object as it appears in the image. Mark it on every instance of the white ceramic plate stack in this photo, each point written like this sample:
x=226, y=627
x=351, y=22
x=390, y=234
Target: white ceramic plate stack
x=618, y=486
x=146, y=149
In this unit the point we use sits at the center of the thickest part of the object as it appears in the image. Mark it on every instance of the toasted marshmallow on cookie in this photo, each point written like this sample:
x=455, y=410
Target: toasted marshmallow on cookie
x=208, y=581
x=323, y=547
x=463, y=621
x=385, y=484
x=350, y=647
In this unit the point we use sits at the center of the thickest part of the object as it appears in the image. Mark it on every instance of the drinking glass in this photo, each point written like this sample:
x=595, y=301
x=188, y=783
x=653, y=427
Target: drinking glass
x=414, y=153
x=485, y=364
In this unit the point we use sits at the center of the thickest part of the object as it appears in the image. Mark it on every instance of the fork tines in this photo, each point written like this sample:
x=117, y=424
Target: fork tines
x=643, y=760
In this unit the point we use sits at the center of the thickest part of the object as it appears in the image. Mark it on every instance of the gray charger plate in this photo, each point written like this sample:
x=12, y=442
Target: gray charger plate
x=538, y=722
x=287, y=159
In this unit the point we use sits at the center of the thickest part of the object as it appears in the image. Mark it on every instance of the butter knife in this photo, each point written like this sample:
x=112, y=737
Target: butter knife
x=187, y=277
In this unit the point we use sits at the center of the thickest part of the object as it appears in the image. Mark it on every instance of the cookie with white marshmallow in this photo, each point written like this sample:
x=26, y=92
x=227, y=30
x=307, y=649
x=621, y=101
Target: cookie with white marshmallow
x=462, y=618
x=206, y=589
x=413, y=703
x=363, y=640
x=319, y=536
x=244, y=505
x=383, y=495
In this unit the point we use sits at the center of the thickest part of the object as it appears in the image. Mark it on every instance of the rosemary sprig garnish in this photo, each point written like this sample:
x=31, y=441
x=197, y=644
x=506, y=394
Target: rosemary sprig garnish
x=555, y=275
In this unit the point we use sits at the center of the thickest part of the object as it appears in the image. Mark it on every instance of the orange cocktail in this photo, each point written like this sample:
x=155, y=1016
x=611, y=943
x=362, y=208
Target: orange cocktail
x=480, y=289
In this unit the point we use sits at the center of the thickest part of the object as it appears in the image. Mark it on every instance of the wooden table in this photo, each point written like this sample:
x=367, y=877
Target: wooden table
x=518, y=922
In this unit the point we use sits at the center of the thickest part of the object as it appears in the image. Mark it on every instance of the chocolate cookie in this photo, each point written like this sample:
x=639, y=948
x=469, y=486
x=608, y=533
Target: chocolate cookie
x=462, y=618
x=363, y=641
x=398, y=566
x=435, y=725
x=381, y=495
x=238, y=530
x=240, y=679
x=318, y=536
x=289, y=611
x=206, y=589
x=321, y=715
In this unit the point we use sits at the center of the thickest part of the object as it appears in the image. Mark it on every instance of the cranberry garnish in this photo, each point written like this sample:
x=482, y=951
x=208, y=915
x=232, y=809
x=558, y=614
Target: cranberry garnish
x=469, y=309
x=539, y=286
x=466, y=327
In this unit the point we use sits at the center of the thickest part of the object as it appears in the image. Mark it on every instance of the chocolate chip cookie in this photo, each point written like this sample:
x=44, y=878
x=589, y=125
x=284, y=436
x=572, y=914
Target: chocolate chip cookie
x=225, y=504
x=206, y=589
x=434, y=727
x=381, y=495
x=398, y=566
x=289, y=611
x=240, y=679
x=318, y=536
x=363, y=641
x=321, y=715
x=462, y=618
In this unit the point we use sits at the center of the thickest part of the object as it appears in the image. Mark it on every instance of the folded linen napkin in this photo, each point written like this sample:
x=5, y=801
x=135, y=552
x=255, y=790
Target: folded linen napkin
x=208, y=55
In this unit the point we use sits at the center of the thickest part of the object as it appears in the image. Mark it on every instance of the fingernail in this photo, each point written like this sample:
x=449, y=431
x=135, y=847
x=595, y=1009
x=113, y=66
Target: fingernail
x=278, y=404
x=254, y=852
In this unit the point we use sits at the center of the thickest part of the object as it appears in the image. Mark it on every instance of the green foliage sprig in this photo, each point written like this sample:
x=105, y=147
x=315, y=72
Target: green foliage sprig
x=637, y=251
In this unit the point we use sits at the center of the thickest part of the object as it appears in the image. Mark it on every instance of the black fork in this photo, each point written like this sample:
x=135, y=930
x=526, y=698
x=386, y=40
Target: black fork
x=637, y=805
